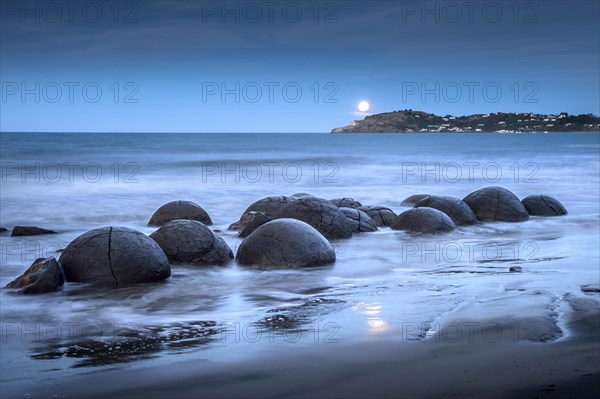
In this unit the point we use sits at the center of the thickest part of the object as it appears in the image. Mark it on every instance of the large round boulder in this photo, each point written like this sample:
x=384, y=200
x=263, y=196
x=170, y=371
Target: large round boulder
x=359, y=220
x=346, y=203
x=285, y=243
x=179, y=210
x=413, y=199
x=114, y=256
x=496, y=204
x=321, y=214
x=188, y=241
x=543, y=205
x=382, y=216
x=423, y=220
x=44, y=275
x=460, y=213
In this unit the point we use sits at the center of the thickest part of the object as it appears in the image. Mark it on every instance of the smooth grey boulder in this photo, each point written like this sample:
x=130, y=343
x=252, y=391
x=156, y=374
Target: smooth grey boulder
x=251, y=221
x=423, y=220
x=114, y=256
x=321, y=214
x=359, y=220
x=179, y=210
x=543, y=205
x=22, y=231
x=496, y=204
x=189, y=241
x=346, y=203
x=382, y=216
x=460, y=213
x=285, y=243
x=44, y=275
x=413, y=199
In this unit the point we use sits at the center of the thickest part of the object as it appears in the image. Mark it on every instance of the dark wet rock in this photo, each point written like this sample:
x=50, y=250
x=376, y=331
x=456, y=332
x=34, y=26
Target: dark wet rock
x=270, y=206
x=543, y=205
x=321, y=214
x=179, y=210
x=114, y=256
x=44, y=275
x=285, y=243
x=460, y=213
x=382, y=216
x=515, y=269
x=496, y=204
x=3, y=230
x=234, y=226
x=423, y=220
x=189, y=241
x=346, y=203
x=359, y=220
x=413, y=199
x=251, y=221
x=22, y=231
x=300, y=195
x=592, y=288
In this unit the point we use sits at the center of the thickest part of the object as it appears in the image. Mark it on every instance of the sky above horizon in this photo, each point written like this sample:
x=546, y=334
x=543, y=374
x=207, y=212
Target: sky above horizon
x=288, y=66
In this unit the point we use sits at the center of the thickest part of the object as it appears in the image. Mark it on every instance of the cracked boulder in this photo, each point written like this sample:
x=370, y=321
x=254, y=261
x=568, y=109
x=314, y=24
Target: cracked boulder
x=285, y=243
x=114, y=256
x=382, y=216
x=423, y=220
x=44, y=275
x=346, y=203
x=359, y=220
x=179, y=210
x=251, y=221
x=270, y=206
x=543, y=205
x=321, y=214
x=188, y=241
x=413, y=199
x=457, y=209
x=496, y=204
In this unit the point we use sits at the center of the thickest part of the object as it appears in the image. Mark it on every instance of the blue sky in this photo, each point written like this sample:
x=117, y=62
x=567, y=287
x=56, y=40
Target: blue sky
x=239, y=66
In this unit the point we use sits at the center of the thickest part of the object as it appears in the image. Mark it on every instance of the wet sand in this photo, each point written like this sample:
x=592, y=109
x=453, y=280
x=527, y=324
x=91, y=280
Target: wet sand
x=385, y=366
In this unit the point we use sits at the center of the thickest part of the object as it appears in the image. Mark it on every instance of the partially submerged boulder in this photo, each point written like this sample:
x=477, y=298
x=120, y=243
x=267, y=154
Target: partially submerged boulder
x=359, y=220
x=543, y=205
x=496, y=204
x=189, y=241
x=251, y=221
x=270, y=206
x=285, y=243
x=413, y=199
x=321, y=214
x=3, y=230
x=346, y=203
x=460, y=213
x=22, y=231
x=44, y=275
x=382, y=216
x=179, y=210
x=423, y=220
x=114, y=256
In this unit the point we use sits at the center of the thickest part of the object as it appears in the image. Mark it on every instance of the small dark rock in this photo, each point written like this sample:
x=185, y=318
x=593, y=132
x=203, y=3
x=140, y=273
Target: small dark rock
x=189, y=241
x=44, y=275
x=179, y=210
x=543, y=205
x=423, y=220
x=496, y=204
x=359, y=220
x=321, y=214
x=22, y=231
x=413, y=199
x=285, y=243
x=515, y=269
x=382, y=216
x=234, y=226
x=346, y=203
x=251, y=221
x=591, y=288
x=460, y=213
x=3, y=230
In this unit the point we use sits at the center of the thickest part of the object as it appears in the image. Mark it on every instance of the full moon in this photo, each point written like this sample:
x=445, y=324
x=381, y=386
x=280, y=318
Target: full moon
x=363, y=106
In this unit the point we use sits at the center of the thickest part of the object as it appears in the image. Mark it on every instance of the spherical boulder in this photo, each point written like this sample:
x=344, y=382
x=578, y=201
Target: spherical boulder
x=321, y=214
x=543, y=205
x=382, y=216
x=114, y=256
x=285, y=243
x=413, y=199
x=359, y=220
x=179, y=210
x=346, y=203
x=460, y=213
x=251, y=221
x=44, y=275
x=423, y=220
x=188, y=241
x=496, y=204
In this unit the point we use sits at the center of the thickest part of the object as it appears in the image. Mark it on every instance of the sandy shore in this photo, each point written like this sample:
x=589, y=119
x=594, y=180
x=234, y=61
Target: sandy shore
x=469, y=367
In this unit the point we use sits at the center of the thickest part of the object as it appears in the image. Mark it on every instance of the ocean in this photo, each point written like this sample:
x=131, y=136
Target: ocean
x=391, y=284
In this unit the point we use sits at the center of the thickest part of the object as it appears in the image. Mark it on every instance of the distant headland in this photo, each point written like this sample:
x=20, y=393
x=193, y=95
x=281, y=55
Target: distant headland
x=409, y=121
